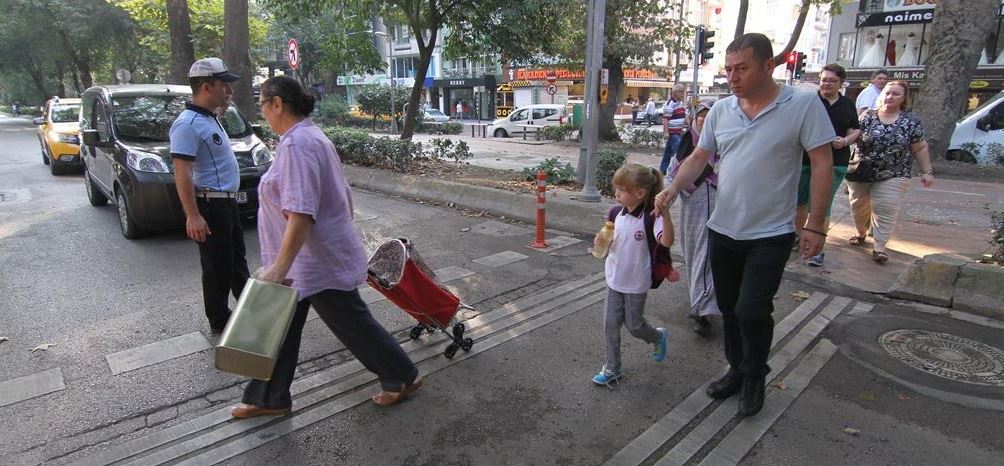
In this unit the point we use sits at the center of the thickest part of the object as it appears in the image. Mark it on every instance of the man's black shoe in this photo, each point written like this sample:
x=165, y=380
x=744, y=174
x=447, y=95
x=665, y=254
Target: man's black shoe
x=726, y=386
x=702, y=325
x=751, y=398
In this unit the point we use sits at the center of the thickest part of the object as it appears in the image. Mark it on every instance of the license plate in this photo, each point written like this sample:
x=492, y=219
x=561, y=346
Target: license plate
x=242, y=197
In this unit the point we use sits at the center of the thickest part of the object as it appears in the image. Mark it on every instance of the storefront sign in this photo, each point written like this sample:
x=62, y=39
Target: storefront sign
x=984, y=78
x=522, y=74
x=902, y=5
x=896, y=17
x=521, y=83
x=462, y=82
x=640, y=74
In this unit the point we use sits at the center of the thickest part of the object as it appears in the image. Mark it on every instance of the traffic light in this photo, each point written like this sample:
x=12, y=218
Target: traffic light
x=799, y=66
x=704, y=45
x=791, y=59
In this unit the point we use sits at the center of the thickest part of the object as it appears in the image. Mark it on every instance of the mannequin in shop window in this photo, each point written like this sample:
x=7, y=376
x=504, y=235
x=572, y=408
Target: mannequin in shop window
x=873, y=57
x=909, y=57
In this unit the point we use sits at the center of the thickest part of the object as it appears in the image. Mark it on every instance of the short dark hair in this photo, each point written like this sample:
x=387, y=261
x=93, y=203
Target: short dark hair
x=879, y=71
x=197, y=82
x=837, y=70
x=291, y=92
x=762, y=50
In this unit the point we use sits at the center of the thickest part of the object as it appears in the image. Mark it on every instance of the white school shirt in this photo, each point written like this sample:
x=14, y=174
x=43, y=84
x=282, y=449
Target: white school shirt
x=629, y=263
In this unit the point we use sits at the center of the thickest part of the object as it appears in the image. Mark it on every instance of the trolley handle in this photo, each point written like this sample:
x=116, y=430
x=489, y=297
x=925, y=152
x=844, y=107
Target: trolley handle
x=380, y=280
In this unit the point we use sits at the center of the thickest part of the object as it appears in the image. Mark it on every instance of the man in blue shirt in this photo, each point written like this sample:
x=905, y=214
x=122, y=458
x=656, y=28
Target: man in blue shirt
x=759, y=134
x=207, y=177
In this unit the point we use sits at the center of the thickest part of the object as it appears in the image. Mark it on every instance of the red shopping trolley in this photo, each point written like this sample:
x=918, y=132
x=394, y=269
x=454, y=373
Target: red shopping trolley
x=398, y=272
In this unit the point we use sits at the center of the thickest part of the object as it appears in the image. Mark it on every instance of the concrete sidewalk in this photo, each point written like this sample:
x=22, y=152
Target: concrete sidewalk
x=951, y=217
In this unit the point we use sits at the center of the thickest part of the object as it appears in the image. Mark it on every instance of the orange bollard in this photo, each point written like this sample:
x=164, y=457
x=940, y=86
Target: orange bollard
x=539, y=242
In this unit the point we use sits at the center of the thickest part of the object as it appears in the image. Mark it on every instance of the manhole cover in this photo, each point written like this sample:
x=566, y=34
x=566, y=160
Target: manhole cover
x=946, y=355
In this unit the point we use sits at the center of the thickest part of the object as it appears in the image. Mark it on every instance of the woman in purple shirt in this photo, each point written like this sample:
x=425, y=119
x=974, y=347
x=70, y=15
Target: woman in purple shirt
x=307, y=238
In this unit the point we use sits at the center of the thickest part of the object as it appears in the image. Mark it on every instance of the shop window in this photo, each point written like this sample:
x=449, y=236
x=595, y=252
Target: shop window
x=891, y=46
x=845, y=52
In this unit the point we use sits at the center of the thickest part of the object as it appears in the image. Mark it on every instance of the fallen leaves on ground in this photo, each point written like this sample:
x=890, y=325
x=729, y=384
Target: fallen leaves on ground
x=800, y=295
x=851, y=431
x=903, y=396
x=867, y=396
x=43, y=347
x=781, y=386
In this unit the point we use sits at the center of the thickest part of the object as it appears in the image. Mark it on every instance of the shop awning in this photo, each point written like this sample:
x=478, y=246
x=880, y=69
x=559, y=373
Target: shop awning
x=641, y=83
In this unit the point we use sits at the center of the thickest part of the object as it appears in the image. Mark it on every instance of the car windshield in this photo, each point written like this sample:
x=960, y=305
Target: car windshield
x=149, y=117
x=65, y=113
x=433, y=112
x=992, y=101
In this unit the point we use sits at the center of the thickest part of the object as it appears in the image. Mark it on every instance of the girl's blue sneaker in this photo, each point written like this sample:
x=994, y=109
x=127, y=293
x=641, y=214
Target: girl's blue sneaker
x=661, y=349
x=605, y=377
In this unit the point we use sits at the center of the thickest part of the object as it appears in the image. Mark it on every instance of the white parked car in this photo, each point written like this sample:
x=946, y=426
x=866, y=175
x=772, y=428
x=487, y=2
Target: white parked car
x=979, y=136
x=435, y=115
x=526, y=118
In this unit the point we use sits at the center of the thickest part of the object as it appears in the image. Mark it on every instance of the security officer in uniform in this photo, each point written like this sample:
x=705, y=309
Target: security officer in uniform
x=207, y=177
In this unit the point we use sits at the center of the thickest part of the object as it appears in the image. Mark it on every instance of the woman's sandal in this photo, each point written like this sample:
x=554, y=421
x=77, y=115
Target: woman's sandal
x=880, y=257
x=386, y=399
x=856, y=240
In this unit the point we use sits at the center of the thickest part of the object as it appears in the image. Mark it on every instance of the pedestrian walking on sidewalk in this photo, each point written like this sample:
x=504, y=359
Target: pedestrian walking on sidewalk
x=674, y=124
x=697, y=202
x=628, y=266
x=307, y=237
x=635, y=106
x=207, y=178
x=891, y=138
x=759, y=134
x=650, y=110
x=844, y=119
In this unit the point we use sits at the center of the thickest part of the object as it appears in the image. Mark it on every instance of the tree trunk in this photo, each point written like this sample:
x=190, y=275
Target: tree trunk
x=236, y=54
x=37, y=74
x=608, y=127
x=81, y=63
x=960, y=30
x=779, y=59
x=425, y=49
x=182, y=51
x=744, y=7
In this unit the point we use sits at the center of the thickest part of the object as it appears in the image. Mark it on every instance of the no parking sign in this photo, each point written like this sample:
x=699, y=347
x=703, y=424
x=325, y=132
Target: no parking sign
x=293, y=50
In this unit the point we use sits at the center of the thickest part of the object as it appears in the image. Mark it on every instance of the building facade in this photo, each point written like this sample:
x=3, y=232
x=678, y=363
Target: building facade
x=896, y=35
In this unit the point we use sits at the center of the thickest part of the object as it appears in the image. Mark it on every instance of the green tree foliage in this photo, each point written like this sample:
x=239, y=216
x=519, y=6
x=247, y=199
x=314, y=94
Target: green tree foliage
x=374, y=100
x=427, y=18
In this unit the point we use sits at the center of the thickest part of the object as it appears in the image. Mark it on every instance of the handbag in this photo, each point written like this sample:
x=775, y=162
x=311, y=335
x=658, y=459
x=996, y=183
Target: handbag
x=250, y=343
x=860, y=169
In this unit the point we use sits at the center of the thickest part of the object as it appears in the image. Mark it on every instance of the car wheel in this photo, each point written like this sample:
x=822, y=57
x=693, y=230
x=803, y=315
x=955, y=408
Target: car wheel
x=94, y=194
x=129, y=228
x=500, y=133
x=55, y=168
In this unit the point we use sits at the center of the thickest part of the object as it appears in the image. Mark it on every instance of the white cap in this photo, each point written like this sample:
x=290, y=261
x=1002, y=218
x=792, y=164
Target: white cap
x=211, y=67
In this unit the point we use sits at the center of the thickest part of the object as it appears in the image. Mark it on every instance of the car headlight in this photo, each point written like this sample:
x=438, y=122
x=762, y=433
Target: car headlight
x=261, y=155
x=68, y=138
x=146, y=162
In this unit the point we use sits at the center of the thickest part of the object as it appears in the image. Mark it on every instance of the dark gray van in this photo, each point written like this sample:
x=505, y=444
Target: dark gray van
x=126, y=153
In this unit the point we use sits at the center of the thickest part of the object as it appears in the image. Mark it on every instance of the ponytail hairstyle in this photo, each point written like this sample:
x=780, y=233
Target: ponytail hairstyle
x=291, y=92
x=633, y=175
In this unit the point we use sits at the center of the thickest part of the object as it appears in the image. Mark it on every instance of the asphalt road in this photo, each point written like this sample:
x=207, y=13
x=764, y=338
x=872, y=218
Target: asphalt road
x=522, y=396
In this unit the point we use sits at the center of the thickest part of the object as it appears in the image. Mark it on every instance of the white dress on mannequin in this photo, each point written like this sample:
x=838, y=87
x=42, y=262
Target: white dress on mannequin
x=983, y=57
x=875, y=56
x=909, y=57
x=1000, y=58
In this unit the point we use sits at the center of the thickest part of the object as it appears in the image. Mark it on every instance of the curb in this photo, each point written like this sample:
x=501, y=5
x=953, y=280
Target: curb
x=953, y=281
x=563, y=211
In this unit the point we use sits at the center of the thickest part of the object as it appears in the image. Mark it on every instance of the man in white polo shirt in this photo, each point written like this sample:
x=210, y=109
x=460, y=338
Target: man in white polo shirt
x=868, y=98
x=759, y=134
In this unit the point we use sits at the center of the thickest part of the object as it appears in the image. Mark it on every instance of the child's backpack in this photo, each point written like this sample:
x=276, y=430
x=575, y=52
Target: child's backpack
x=662, y=260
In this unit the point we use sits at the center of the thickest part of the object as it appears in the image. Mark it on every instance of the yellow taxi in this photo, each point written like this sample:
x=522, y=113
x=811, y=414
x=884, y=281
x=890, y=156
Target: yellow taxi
x=57, y=134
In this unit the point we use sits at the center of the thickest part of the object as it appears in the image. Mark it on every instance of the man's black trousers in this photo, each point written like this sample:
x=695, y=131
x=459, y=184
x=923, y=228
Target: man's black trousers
x=224, y=268
x=747, y=274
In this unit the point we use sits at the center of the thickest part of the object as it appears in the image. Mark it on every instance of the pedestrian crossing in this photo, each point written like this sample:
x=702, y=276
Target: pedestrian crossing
x=214, y=437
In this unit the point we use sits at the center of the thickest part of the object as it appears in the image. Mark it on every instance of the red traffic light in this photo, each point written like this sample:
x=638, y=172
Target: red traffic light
x=792, y=57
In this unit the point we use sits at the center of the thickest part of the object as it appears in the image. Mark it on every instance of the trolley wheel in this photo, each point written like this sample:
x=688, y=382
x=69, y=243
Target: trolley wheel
x=467, y=344
x=415, y=332
x=458, y=331
x=430, y=330
x=451, y=351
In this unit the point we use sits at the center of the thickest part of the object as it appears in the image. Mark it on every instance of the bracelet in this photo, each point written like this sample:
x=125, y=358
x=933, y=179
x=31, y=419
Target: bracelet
x=927, y=173
x=814, y=231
